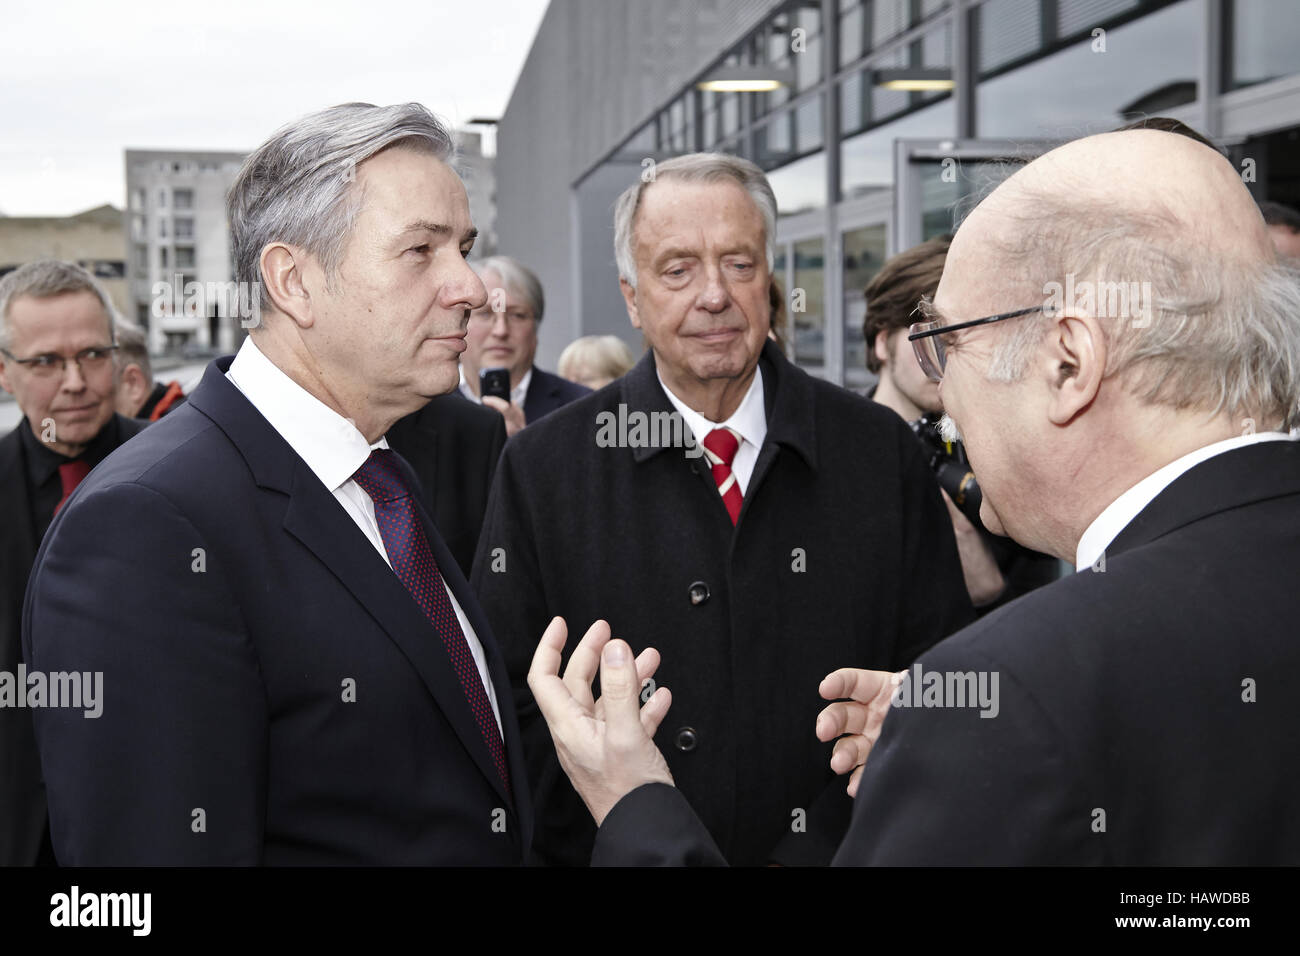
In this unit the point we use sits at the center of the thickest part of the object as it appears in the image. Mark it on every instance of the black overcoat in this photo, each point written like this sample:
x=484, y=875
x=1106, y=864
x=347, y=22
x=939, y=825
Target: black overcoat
x=843, y=556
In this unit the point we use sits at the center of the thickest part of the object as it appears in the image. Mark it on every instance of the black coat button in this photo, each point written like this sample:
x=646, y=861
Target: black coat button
x=686, y=739
x=699, y=592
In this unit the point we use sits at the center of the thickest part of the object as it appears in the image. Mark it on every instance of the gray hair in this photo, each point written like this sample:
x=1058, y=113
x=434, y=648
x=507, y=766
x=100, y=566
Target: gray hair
x=299, y=187
x=42, y=280
x=1213, y=336
x=692, y=168
x=517, y=278
x=132, y=346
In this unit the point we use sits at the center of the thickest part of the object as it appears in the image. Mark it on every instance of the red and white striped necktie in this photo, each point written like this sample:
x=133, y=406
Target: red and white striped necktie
x=720, y=445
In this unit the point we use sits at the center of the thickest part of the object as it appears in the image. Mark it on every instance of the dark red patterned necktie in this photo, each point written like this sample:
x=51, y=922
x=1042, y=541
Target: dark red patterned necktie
x=412, y=560
x=721, y=446
x=71, y=474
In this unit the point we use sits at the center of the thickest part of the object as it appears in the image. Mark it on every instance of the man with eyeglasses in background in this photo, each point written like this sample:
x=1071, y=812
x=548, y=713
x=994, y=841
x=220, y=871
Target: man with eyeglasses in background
x=503, y=334
x=56, y=358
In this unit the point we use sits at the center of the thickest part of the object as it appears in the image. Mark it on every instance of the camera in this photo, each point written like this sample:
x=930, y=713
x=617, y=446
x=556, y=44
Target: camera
x=951, y=469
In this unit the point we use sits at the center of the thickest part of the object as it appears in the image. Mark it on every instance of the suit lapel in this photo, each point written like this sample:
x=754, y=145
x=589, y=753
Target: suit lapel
x=316, y=519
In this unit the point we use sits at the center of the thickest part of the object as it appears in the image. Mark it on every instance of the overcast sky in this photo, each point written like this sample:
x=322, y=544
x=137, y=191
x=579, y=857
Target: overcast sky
x=82, y=81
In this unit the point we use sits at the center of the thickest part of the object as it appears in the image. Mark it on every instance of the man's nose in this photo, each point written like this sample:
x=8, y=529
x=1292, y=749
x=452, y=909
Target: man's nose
x=73, y=381
x=714, y=297
x=465, y=289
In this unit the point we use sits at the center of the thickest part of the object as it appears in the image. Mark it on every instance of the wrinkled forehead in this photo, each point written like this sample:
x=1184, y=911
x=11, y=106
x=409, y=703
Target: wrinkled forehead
x=974, y=274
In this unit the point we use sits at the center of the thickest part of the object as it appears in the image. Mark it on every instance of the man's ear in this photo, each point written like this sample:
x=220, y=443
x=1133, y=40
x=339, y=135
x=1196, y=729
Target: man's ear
x=629, y=297
x=283, y=269
x=132, y=389
x=881, y=347
x=1074, y=365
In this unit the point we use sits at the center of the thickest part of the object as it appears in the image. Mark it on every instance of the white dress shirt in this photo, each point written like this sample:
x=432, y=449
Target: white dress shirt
x=517, y=394
x=333, y=449
x=749, y=421
x=1106, y=527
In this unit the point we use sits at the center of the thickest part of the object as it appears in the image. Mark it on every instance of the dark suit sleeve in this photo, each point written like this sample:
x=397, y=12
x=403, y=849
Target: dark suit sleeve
x=654, y=826
x=121, y=589
x=945, y=786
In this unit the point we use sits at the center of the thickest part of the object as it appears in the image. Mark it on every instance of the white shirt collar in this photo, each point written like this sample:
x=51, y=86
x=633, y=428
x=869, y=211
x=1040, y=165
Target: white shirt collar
x=1106, y=527
x=329, y=443
x=749, y=420
x=517, y=394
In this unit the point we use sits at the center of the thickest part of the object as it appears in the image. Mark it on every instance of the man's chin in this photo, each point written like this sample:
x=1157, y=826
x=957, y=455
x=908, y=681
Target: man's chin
x=989, y=518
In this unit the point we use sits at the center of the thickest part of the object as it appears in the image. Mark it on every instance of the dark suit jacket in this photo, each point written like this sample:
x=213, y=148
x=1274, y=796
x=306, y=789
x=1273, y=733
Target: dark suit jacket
x=547, y=392
x=231, y=604
x=22, y=799
x=843, y=553
x=454, y=446
x=1147, y=713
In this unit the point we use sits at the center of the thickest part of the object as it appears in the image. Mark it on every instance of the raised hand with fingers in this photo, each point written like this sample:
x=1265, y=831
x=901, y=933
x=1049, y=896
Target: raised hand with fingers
x=605, y=746
x=859, y=718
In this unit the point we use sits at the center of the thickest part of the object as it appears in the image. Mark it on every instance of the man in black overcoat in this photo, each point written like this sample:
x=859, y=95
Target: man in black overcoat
x=757, y=525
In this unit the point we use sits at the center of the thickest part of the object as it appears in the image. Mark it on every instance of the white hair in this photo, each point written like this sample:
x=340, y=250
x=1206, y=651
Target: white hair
x=299, y=187
x=517, y=279
x=1217, y=335
x=692, y=168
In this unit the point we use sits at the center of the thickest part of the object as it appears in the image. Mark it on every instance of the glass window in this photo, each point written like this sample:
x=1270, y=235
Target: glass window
x=1150, y=64
x=1081, y=16
x=808, y=124
x=184, y=228
x=183, y=198
x=162, y=257
x=801, y=185
x=864, y=253
x=162, y=197
x=867, y=160
x=775, y=142
x=730, y=111
x=854, y=40
x=807, y=303
x=1265, y=41
x=185, y=257
x=808, y=63
x=1006, y=31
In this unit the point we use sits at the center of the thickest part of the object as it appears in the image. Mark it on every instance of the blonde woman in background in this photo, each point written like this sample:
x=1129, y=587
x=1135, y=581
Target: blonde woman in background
x=595, y=360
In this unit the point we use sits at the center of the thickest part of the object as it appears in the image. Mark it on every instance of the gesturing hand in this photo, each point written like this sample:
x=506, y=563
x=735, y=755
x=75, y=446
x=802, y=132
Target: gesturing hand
x=860, y=717
x=605, y=746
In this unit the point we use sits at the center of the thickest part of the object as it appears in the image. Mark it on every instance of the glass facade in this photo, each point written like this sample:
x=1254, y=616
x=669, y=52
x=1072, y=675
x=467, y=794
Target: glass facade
x=860, y=77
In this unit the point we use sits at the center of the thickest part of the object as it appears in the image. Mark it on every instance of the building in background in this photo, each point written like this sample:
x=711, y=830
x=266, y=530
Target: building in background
x=478, y=171
x=878, y=121
x=176, y=234
x=92, y=239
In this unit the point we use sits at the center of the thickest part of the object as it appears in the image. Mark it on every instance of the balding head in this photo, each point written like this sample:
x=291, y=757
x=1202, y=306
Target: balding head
x=1167, y=325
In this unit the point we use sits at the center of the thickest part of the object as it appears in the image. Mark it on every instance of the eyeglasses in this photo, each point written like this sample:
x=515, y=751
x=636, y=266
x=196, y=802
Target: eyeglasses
x=929, y=348
x=515, y=317
x=51, y=365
